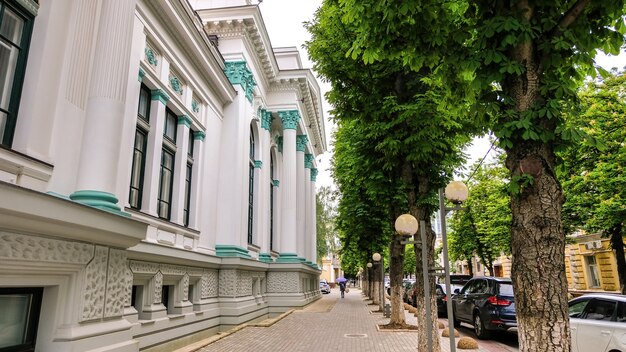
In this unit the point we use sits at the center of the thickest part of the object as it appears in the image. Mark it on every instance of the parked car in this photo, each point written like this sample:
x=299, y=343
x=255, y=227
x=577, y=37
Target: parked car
x=324, y=288
x=407, y=289
x=598, y=323
x=442, y=297
x=487, y=303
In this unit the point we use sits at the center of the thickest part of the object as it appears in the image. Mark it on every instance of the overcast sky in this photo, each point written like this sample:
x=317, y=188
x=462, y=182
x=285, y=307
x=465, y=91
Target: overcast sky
x=283, y=20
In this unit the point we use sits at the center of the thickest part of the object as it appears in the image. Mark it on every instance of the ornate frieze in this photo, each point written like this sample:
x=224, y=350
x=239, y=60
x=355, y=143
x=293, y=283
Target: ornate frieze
x=143, y=267
x=209, y=284
x=313, y=174
x=158, y=286
x=94, y=287
x=238, y=73
x=41, y=249
x=301, y=142
x=117, y=284
x=176, y=270
x=184, y=282
x=128, y=290
x=308, y=161
x=244, y=284
x=282, y=282
x=290, y=119
x=227, y=283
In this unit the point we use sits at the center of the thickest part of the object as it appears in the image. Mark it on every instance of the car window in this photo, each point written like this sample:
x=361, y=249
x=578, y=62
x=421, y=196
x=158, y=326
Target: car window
x=439, y=291
x=505, y=289
x=576, y=308
x=621, y=312
x=481, y=287
x=469, y=287
x=599, y=309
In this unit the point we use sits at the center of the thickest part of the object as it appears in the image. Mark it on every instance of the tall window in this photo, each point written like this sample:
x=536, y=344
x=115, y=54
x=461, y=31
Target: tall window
x=20, y=317
x=139, y=153
x=251, y=187
x=594, y=276
x=15, y=31
x=272, y=201
x=188, y=180
x=167, y=165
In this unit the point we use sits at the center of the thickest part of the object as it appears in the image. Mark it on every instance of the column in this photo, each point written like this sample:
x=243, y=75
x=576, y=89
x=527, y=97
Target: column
x=196, y=179
x=313, y=217
x=104, y=117
x=180, y=169
x=301, y=142
x=153, y=154
x=266, y=184
x=308, y=164
x=288, y=244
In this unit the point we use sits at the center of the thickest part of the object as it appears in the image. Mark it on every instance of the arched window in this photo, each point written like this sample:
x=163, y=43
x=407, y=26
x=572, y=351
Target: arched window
x=251, y=187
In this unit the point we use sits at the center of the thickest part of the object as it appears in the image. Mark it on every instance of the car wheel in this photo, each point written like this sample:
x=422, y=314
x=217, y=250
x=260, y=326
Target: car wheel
x=479, y=327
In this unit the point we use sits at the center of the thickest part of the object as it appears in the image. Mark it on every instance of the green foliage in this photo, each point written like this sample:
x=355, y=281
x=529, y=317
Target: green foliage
x=325, y=203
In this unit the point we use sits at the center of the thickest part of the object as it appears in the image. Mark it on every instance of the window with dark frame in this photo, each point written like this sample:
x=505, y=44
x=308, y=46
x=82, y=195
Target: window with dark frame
x=251, y=188
x=140, y=148
x=20, y=307
x=15, y=32
x=187, y=193
x=166, y=184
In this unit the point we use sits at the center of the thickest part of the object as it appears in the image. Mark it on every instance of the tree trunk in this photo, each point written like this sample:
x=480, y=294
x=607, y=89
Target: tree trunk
x=396, y=268
x=470, y=266
x=375, y=283
x=617, y=242
x=538, y=256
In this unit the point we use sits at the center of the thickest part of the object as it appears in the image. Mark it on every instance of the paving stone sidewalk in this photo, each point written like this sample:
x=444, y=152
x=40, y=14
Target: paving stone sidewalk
x=331, y=323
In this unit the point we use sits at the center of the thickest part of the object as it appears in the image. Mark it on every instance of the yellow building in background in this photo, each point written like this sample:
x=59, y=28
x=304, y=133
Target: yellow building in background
x=590, y=265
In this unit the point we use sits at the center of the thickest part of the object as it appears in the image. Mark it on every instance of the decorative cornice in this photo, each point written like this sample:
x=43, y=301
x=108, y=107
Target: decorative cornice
x=308, y=161
x=238, y=73
x=301, y=141
x=199, y=135
x=176, y=85
x=313, y=174
x=160, y=95
x=276, y=183
x=279, y=142
x=266, y=119
x=151, y=57
x=141, y=74
x=290, y=119
x=258, y=164
x=184, y=120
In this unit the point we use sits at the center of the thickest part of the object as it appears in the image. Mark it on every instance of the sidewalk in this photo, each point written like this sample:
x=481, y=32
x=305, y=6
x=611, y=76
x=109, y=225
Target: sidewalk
x=329, y=324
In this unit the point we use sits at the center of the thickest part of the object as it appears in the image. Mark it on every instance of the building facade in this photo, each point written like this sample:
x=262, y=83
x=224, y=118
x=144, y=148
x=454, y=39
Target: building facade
x=157, y=173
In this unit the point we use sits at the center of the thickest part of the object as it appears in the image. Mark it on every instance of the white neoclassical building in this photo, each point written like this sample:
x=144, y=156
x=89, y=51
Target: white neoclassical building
x=157, y=173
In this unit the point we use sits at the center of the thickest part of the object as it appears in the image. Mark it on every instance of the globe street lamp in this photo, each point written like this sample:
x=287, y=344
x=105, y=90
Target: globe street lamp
x=379, y=260
x=456, y=192
x=369, y=278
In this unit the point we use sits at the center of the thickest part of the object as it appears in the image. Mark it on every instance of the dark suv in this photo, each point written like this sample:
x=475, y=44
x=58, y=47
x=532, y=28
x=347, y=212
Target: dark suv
x=487, y=303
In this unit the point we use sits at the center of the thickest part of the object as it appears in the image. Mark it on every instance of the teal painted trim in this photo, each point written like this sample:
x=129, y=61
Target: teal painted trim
x=290, y=119
x=276, y=183
x=288, y=258
x=199, y=135
x=266, y=119
x=151, y=57
x=308, y=161
x=97, y=199
x=176, y=85
x=258, y=164
x=184, y=120
x=58, y=195
x=195, y=107
x=314, y=174
x=238, y=73
x=230, y=251
x=301, y=141
x=141, y=75
x=279, y=142
x=160, y=95
x=266, y=257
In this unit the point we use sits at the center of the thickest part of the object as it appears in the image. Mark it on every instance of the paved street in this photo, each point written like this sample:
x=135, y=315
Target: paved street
x=333, y=323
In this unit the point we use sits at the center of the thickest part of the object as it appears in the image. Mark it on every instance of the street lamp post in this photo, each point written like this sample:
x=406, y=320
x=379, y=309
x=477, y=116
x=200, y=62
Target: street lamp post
x=381, y=286
x=369, y=278
x=456, y=192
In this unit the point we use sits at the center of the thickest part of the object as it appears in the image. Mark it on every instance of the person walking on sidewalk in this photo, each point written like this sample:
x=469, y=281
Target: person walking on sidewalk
x=342, y=287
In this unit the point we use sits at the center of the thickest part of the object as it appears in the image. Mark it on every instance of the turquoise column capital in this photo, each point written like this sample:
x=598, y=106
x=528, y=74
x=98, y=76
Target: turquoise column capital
x=184, y=120
x=141, y=75
x=290, y=119
x=266, y=119
x=301, y=141
x=160, y=95
x=313, y=174
x=238, y=73
x=199, y=135
x=279, y=142
x=308, y=161
x=258, y=164
x=276, y=183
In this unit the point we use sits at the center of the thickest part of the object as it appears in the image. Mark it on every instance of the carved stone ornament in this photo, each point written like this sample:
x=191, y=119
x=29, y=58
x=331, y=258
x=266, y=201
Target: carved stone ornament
x=227, y=283
x=41, y=249
x=128, y=294
x=94, y=285
x=158, y=286
x=143, y=267
x=176, y=85
x=185, y=285
x=266, y=119
x=290, y=119
x=151, y=57
x=283, y=282
x=195, y=107
x=314, y=174
x=117, y=284
x=301, y=142
x=308, y=161
x=238, y=73
x=209, y=284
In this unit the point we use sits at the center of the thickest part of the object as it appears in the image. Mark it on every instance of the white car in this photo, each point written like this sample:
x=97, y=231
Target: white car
x=598, y=323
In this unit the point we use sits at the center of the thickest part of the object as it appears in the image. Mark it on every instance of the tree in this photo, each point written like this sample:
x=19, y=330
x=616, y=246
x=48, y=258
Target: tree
x=594, y=181
x=527, y=58
x=483, y=228
x=325, y=222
